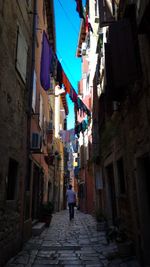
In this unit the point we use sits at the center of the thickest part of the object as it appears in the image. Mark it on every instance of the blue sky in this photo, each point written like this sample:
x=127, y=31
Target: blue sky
x=67, y=24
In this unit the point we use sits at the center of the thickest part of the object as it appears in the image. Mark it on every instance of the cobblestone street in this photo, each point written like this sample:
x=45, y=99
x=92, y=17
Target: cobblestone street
x=70, y=244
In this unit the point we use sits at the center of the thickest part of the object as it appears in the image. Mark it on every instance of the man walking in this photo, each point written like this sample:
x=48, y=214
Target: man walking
x=71, y=199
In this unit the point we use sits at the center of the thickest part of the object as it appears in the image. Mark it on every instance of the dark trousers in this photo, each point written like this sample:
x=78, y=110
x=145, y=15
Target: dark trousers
x=71, y=210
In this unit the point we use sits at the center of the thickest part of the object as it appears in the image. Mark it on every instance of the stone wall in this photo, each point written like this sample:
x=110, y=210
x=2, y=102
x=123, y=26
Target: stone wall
x=13, y=122
x=130, y=140
x=10, y=234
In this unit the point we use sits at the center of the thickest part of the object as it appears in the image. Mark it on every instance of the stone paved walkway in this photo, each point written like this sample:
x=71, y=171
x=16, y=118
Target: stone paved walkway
x=70, y=244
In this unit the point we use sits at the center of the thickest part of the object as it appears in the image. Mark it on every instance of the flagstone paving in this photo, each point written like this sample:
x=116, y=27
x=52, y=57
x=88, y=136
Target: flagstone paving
x=70, y=244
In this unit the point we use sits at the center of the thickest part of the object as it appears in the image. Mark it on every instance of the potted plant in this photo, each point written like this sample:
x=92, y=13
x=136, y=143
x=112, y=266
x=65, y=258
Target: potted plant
x=119, y=234
x=101, y=220
x=46, y=212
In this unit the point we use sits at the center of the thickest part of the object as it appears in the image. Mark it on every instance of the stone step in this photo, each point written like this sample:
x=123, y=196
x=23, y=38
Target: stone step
x=38, y=228
x=34, y=222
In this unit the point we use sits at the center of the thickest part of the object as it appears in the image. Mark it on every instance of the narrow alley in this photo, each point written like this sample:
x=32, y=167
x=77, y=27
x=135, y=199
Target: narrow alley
x=70, y=243
x=75, y=132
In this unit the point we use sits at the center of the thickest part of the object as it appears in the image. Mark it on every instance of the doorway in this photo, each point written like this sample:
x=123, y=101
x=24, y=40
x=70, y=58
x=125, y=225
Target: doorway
x=111, y=195
x=143, y=196
x=36, y=193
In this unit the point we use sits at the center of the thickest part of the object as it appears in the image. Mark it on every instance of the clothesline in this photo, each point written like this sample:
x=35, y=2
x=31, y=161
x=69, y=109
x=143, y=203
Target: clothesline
x=51, y=65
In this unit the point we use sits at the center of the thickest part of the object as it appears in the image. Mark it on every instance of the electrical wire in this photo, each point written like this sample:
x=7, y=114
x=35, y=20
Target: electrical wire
x=64, y=63
x=76, y=31
x=68, y=17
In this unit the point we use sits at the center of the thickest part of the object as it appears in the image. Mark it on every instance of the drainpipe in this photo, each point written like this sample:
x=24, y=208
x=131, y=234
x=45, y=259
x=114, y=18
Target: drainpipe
x=29, y=110
x=32, y=62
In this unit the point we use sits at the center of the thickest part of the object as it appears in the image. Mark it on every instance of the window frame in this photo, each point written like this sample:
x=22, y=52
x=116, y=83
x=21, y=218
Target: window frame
x=21, y=47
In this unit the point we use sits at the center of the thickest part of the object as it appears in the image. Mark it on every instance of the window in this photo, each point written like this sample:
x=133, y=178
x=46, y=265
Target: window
x=121, y=178
x=87, y=41
x=138, y=5
x=120, y=60
x=51, y=114
x=106, y=10
x=36, y=141
x=11, y=181
x=143, y=172
x=27, y=185
x=2, y=3
x=96, y=8
x=65, y=124
x=21, y=54
x=84, y=75
x=99, y=179
x=41, y=112
x=87, y=83
x=44, y=131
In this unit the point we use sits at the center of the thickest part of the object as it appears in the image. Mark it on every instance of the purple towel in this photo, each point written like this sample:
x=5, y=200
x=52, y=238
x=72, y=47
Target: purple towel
x=46, y=57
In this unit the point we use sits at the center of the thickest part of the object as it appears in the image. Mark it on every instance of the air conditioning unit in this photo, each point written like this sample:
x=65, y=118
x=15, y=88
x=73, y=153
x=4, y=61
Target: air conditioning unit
x=36, y=141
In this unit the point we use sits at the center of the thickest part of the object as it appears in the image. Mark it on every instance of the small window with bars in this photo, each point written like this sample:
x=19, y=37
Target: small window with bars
x=11, y=180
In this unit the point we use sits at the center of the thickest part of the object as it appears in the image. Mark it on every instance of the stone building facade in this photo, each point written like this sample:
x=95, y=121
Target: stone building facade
x=124, y=121
x=40, y=116
x=15, y=52
x=29, y=166
x=120, y=116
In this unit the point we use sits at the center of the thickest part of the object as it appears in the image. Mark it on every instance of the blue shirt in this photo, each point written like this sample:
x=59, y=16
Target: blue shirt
x=71, y=196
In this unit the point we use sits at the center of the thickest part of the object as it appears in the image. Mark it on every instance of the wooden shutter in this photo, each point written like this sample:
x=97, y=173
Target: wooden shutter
x=120, y=59
x=21, y=57
x=123, y=53
x=105, y=14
